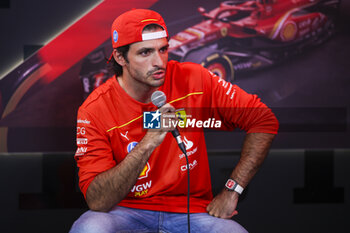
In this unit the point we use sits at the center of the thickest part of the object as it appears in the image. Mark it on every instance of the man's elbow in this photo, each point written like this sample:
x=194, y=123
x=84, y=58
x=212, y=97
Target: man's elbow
x=95, y=201
x=97, y=205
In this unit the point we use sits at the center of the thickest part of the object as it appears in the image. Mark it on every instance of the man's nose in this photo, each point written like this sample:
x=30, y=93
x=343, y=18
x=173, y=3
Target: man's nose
x=158, y=59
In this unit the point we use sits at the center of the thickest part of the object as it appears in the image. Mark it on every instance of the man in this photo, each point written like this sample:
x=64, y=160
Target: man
x=134, y=179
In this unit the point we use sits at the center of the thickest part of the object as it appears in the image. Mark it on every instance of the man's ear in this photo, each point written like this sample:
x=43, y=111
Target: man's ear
x=118, y=57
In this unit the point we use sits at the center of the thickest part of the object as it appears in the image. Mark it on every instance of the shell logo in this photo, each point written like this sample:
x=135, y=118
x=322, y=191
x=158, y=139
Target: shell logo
x=289, y=31
x=223, y=32
x=145, y=171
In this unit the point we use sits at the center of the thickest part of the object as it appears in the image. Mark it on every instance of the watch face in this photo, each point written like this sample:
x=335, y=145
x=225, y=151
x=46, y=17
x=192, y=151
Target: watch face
x=230, y=184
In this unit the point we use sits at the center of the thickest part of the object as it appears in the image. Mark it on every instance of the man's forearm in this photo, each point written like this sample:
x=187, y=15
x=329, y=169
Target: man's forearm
x=110, y=187
x=254, y=151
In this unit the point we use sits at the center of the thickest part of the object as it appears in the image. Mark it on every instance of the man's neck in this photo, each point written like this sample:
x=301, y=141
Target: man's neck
x=136, y=90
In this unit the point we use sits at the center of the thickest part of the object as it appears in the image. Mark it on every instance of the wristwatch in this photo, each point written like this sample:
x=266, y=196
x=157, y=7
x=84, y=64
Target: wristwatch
x=232, y=185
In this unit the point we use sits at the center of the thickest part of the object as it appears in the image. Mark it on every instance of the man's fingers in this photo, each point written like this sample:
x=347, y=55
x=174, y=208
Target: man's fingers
x=218, y=214
x=234, y=213
x=214, y=214
x=169, y=118
x=167, y=108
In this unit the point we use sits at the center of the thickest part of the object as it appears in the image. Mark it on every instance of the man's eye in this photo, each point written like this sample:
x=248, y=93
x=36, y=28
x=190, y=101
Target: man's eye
x=145, y=52
x=162, y=50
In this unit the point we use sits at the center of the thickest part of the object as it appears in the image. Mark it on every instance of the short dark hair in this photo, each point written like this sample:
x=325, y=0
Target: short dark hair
x=117, y=69
x=113, y=66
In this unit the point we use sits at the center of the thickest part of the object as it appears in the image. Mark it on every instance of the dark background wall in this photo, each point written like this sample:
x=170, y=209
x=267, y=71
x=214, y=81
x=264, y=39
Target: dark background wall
x=302, y=188
x=295, y=191
x=27, y=25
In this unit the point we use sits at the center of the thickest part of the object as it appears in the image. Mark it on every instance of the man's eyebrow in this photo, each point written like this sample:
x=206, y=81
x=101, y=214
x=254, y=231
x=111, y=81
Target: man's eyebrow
x=151, y=48
x=145, y=49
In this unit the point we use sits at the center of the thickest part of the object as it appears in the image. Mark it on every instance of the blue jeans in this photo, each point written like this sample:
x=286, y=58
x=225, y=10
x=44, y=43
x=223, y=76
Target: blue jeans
x=121, y=219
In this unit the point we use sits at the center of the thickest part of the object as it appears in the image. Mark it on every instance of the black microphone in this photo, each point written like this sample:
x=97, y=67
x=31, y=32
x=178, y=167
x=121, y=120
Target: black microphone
x=158, y=98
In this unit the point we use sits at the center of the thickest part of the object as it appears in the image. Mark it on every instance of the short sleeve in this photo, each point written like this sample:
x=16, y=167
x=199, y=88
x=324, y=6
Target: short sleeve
x=94, y=153
x=236, y=108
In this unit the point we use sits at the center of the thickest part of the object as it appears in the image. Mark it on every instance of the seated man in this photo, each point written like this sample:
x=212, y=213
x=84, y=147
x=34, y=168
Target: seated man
x=135, y=179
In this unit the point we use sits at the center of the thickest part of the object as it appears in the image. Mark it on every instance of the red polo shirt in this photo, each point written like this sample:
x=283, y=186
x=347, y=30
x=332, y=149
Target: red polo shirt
x=110, y=124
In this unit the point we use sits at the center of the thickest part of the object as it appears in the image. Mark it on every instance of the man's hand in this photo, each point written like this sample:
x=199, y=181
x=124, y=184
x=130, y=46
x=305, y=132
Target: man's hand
x=156, y=136
x=224, y=204
x=254, y=151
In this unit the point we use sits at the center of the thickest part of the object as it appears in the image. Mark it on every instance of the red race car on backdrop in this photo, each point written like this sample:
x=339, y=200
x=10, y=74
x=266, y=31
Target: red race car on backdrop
x=249, y=34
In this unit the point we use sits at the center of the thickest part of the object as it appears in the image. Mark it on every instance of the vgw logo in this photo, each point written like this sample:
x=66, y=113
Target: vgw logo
x=151, y=120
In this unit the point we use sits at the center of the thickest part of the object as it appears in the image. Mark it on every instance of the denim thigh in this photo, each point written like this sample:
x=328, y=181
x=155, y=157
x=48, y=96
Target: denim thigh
x=200, y=222
x=119, y=219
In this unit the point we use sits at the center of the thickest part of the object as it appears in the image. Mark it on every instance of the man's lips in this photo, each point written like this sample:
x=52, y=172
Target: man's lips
x=159, y=74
